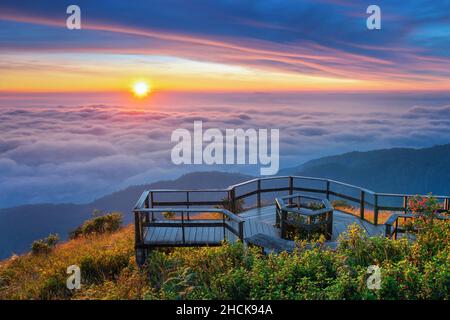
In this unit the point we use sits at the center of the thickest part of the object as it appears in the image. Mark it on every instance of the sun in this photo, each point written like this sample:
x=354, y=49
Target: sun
x=141, y=89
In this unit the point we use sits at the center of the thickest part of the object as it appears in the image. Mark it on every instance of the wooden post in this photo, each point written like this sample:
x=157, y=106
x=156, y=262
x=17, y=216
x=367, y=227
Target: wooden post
x=362, y=204
x=405, y=203
x=241, y=231
x=396, y=228
x=146, y=206
x=387, y=231
x=258, y=194
x=283, y=223
x=151, y=205
x=375, y=209
x=231, y=197
x=151, y=199
x=291, y=185
x=224, y=227
x=277, y=214
x=330, y=224
x=187, y=201
x=137, y=229
x=147, y=202
x=446, y=204
x=182, y=226
x=291, y=189
x=328, y=190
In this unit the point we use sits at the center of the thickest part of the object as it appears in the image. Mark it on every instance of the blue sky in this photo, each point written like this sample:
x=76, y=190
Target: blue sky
x=326, y=38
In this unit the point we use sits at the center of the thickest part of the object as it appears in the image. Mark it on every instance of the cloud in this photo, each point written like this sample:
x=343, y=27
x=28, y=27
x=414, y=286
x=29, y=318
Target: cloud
x=429, y=112
x=312, y=131
x=76, y=154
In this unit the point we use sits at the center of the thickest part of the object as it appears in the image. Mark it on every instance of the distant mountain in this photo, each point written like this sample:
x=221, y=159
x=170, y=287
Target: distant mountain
x=20, y=226
x=398, y=170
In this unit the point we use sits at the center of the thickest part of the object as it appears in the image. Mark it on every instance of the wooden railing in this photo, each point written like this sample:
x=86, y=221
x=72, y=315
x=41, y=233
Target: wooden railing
x=150, y=219
x=396, y=224
x=366, y=204
x=291, y=210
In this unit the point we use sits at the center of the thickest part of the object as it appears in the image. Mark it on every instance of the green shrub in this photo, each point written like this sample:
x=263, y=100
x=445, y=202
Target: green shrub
x=409, y=270
x=362, y=250
x=54, y=288
x=106, y=223
x=44, y=246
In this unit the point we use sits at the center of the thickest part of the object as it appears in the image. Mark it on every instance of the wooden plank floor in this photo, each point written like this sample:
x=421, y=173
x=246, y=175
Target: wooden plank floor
x=254, y=226
x=203, y=235
x=258, y=220
x=192, y=236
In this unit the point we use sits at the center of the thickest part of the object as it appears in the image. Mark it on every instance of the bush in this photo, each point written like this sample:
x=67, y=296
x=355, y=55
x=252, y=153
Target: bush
x=54, y=288
x=409, y=270
x=98, y=225
x=44, y=246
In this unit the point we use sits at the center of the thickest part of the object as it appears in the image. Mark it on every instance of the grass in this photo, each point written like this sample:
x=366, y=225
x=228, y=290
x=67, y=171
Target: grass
x=369, y=215
x=410, y=270
x=32, y=276
x=195, y=216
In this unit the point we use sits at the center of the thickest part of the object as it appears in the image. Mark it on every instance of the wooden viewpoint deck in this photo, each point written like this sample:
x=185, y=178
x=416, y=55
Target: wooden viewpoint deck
x=256, y=226
x=257, y=221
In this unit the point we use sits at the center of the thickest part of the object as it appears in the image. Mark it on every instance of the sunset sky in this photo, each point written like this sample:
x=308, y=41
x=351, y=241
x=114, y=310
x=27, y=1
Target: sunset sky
x=224, y=46
x=74, y=129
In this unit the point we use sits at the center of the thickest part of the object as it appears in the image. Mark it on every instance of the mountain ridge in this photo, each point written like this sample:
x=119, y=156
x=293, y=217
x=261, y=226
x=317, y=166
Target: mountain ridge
x=396, y=170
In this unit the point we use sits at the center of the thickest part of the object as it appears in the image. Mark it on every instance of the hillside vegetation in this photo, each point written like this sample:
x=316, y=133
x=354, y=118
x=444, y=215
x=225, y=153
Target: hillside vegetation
x=409, y=270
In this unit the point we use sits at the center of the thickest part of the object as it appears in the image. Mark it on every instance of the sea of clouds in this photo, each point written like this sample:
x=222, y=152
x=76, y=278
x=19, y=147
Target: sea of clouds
x=75, y=154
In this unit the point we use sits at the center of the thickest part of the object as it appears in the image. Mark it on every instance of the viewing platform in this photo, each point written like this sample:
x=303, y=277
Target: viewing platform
x=262, y=212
